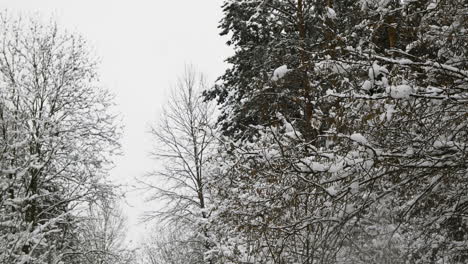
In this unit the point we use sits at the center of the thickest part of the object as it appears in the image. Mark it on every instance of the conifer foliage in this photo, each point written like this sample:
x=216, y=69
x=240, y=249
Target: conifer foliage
x=344, y=127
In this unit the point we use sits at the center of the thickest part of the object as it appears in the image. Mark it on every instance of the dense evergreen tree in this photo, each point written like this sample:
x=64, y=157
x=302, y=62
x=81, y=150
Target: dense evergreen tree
x=345, y=129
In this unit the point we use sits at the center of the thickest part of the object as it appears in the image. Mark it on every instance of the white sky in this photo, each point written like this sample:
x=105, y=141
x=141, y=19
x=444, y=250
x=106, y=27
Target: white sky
x=143, y=46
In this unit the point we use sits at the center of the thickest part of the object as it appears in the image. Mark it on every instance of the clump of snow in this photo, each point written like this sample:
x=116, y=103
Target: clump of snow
x=358, y=137
x=377, y=77
x=270, y=154
x=336, y=167
x=377, y=70
x=367, y=85
x=354, y=187
x=389, y=111
x=288, y=127
x=438, y=144
x=280, y=72
x=431, y=6
x=400, y=91
x=316, y=166
x=349, y=208
x=443, y=142
x=331, y=190
x=405, y=61
x=368, y=163
x=434, y=90
x=331, y=13
x=410, y=151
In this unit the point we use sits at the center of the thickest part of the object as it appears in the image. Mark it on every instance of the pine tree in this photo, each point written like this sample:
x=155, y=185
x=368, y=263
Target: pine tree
x=345, y=129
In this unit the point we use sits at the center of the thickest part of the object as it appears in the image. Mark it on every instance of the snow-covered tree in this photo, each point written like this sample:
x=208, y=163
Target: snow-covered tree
x=283, y=54
x=57, y=135
x=184, y=140
x=347, y=144
x=171, y=244
x=101, y=236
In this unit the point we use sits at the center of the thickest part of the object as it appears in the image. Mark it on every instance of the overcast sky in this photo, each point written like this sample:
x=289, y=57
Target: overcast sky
x=143, y=46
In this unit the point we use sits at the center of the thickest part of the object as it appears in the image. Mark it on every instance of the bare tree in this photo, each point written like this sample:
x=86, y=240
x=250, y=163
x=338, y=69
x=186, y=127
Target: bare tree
x=183, y=139
x=170, y=245
x=102, y=235
x=57, y=135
